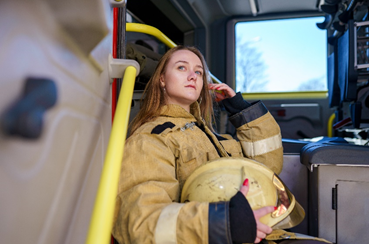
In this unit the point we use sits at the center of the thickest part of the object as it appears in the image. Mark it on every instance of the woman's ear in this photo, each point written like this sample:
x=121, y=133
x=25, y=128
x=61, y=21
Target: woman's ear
x=162, y=84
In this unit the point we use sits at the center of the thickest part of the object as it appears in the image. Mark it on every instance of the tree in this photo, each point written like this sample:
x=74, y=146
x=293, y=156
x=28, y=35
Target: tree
x=250, y=67
x=316, y=84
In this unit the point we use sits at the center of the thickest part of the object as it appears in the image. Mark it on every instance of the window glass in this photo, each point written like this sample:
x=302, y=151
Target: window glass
x=285, y=55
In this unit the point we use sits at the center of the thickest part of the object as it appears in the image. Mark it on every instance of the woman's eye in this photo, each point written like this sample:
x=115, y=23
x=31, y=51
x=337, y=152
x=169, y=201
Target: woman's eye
x=198, y=72
x=181, y=67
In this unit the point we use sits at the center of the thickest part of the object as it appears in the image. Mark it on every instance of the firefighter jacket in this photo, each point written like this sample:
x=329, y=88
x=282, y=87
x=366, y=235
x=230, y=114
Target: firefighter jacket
x=160, y=156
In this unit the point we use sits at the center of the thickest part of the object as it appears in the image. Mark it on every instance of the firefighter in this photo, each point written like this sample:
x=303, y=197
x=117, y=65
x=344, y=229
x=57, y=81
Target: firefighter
x=170, y=137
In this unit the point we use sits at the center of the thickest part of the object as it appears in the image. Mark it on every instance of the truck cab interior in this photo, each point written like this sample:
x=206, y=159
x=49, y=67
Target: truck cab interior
x=61, y=86
x=324, y=123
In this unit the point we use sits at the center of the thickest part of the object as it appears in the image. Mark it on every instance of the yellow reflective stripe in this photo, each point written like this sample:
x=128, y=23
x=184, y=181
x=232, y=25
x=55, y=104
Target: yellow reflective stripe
x=252, y=149
x=166, y=227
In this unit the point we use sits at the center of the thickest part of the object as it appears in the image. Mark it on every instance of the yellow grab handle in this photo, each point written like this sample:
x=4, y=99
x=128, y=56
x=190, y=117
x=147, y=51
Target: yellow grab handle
x=146, y=29
x=330, y=125
x=100, y=229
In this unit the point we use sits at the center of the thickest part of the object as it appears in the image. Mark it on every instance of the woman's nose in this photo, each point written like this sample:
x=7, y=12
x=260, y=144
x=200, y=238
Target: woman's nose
x=192, y=75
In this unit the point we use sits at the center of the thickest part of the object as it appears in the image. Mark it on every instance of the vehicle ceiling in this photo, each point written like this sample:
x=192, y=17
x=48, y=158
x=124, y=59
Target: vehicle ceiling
x=181, y=16
x=212, y=10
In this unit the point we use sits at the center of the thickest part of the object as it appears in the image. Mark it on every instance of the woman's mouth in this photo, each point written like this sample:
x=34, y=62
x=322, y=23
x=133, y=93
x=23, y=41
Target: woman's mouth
x=191, y=86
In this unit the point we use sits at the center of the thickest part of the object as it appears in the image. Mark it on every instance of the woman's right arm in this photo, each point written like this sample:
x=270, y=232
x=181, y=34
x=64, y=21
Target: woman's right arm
x=147, y=208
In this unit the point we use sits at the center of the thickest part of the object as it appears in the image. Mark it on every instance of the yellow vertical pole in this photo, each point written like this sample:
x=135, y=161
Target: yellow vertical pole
x=330, y=125
x=100, y=229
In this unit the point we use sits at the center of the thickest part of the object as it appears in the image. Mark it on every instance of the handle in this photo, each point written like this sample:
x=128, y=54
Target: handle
x=25, y=117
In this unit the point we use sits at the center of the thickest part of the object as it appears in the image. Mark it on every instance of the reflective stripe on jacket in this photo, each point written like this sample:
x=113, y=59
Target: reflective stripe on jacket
x=160, y=156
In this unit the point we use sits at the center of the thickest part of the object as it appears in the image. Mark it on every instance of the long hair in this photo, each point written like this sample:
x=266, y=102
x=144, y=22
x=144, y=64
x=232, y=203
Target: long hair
x=153, y=96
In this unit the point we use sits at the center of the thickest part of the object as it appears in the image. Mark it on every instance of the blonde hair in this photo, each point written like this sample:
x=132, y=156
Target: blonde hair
x=153, y=96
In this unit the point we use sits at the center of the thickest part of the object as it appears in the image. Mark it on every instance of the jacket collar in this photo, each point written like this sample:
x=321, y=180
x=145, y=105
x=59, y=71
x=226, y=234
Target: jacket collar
x=176, y=111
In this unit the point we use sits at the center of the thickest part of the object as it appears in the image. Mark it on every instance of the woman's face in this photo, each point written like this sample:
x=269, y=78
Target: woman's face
x=182, y=79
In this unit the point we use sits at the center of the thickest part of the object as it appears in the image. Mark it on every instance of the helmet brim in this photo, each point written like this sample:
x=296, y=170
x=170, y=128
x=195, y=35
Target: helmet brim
x=295, y=217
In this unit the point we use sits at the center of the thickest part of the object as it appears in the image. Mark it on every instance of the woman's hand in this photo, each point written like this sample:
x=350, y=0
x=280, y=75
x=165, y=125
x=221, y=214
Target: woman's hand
x=261, y=229
x=222, y=91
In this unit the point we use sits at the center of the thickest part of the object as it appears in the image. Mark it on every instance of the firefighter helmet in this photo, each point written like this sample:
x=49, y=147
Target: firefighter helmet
x=220, y=179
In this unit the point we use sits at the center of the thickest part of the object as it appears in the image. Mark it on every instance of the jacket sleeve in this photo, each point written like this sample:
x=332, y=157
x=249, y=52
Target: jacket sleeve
x=259, y=135
x=147, y=208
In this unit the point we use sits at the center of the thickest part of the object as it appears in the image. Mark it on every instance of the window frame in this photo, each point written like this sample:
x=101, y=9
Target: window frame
x=231, y=53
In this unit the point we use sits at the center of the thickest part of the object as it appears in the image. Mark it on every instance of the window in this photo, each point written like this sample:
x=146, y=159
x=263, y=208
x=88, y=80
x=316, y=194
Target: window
x=283, y=55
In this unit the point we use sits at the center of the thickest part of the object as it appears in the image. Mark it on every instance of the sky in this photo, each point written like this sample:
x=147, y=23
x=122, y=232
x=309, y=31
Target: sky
x=295, y=50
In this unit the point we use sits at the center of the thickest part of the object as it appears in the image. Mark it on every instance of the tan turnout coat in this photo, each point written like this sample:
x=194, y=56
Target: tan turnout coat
x=160, y=156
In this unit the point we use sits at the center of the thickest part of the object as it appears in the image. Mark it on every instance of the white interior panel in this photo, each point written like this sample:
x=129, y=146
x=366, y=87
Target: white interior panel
x=48, y=185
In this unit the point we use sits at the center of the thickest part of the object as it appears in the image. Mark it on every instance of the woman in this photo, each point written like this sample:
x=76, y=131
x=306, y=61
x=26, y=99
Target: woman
x=170, y=137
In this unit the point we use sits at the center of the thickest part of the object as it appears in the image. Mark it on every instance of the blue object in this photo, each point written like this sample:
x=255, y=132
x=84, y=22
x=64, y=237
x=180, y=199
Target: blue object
x=25, y=117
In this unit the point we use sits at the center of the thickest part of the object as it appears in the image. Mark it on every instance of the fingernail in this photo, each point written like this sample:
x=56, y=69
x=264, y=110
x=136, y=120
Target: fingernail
x=275, y=208
x=246, y=182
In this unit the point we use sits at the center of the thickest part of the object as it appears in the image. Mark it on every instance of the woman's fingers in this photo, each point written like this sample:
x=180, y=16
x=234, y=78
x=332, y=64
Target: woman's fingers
x=245, y=187
x=263, y=211
x=260, y=235
x=257, y=240
x=222, y=91
x=262, y=229
x=219, y=96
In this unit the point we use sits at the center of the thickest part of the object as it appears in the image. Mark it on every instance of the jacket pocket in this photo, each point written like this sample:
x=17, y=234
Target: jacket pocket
x=233, y=147
x=187, y=160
